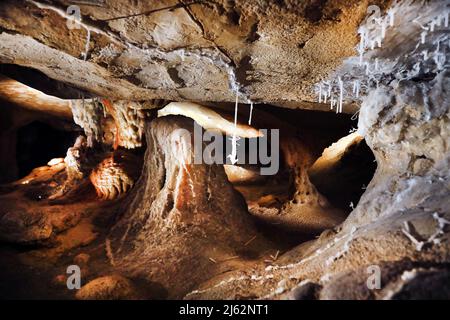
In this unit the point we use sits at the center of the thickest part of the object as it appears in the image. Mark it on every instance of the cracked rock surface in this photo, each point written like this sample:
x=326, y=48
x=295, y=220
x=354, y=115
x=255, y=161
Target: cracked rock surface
x=206, y=51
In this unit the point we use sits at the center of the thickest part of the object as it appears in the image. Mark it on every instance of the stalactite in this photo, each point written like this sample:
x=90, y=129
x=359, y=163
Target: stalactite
x=250, y=116
x=110, y=109
x=233, y=155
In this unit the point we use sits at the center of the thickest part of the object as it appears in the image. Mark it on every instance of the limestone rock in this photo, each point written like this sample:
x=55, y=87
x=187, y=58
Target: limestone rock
x=184, y=227
x=115, y=175
x=112, y=287
x=81, y=259
x=171, y=230
x=197, y=52
x=401, y=223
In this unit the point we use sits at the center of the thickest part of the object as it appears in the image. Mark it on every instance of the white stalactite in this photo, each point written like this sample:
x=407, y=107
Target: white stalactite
x=341, y=94
x=391, y=15
x=320, y=92
x=88, y=40
x=233, y=155
x=423, y=36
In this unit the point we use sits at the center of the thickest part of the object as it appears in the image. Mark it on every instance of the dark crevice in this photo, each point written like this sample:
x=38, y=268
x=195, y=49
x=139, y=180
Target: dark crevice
x=38, y=143
x=314, y=11
x=174, y=75
x=40, y=81
x=253, y=35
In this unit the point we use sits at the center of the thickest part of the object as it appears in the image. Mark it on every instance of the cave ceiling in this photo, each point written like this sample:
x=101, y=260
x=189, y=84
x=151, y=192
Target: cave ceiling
x=263, y=51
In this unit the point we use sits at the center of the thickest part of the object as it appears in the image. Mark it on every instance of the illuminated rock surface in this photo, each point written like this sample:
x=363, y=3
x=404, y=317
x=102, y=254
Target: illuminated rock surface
x=142, y=221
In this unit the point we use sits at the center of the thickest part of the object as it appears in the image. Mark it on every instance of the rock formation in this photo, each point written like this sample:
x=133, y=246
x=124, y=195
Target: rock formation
x=181, y=218
x=400, y=224
x=304, y=209
x=353, y=211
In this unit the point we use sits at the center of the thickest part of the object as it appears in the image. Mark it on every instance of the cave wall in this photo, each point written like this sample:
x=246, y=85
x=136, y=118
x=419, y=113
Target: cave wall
x=400, y=226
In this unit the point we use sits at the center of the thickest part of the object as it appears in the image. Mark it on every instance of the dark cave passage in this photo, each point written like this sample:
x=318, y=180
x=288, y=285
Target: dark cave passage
x=341, y=178
x=38, y=143
x=343, y=182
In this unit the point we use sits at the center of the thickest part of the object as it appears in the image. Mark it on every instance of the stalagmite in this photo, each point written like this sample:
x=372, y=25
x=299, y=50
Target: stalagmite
x=169, y=232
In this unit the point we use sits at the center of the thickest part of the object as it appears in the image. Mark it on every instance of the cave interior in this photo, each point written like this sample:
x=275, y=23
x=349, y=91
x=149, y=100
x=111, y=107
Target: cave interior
x=224, y=149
